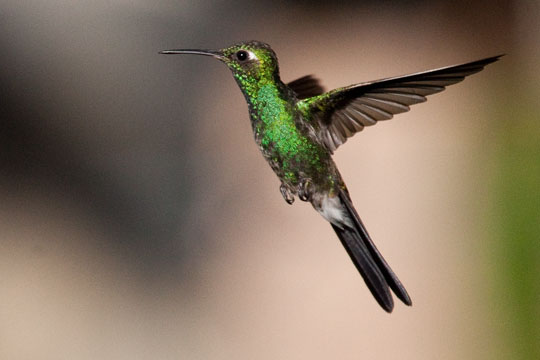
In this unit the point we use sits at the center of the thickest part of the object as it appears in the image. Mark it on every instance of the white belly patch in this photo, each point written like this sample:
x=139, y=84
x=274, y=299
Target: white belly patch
x=334, y=211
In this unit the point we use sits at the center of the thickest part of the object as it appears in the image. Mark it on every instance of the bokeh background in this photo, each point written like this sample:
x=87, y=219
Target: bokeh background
x=139, y=221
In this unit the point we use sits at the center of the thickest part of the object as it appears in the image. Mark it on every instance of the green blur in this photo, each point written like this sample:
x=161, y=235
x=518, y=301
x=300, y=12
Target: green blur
x=516, y=227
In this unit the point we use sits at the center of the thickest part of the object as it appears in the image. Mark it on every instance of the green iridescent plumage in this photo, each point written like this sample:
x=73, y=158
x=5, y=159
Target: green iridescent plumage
x=291, y=152
x=298, y=127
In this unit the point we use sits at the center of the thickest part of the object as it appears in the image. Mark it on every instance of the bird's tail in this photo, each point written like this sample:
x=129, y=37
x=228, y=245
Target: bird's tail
x=368, y=260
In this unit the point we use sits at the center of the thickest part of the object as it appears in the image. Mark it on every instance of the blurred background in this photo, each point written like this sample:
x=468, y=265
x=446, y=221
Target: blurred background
x=138, y=219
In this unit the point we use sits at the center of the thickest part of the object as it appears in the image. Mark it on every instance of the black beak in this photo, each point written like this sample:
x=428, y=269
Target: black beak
x=214, y=53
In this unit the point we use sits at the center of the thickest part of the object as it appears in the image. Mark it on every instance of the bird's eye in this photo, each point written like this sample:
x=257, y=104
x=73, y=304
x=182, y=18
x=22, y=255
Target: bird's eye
x=242, y=55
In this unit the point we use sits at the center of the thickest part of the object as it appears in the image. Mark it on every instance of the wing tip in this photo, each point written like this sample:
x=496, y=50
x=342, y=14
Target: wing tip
x=488, y=60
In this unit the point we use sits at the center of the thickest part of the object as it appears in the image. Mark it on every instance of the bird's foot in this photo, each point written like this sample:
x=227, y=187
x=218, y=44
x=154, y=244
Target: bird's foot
x=287, y=194
x=304, y=192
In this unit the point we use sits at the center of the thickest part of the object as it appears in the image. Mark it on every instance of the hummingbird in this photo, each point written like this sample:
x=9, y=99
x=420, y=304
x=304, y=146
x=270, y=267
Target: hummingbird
x=298, y=126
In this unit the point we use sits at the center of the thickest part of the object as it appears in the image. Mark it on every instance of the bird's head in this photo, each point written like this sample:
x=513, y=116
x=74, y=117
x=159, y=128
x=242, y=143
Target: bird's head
x=251, y=61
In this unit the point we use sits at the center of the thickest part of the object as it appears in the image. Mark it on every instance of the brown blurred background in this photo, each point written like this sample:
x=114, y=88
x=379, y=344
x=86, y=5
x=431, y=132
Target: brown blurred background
x=139, y=221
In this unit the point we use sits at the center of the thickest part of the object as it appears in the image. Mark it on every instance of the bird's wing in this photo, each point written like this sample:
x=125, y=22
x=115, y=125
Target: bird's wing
x=306, y=86
x=342, y=112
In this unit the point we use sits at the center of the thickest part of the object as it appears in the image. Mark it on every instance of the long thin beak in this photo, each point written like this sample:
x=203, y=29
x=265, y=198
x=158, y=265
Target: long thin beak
x=213, y=53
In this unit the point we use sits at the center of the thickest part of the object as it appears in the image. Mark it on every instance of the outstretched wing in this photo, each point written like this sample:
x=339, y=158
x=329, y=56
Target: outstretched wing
x=342, y=112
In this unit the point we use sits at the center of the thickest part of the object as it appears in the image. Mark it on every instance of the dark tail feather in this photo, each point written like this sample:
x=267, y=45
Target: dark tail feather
x=374, y=254
x=366, y=265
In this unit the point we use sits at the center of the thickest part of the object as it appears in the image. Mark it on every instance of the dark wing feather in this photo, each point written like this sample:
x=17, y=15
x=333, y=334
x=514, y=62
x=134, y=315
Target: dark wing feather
x=342, y=112
x=306, y=86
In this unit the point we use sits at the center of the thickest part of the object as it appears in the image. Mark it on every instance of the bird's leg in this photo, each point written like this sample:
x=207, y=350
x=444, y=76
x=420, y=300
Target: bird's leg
x=287, y=194
x=304, y=192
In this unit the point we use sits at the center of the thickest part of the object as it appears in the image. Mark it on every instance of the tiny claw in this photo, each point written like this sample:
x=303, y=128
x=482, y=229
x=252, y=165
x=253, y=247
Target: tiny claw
x=287, y=194
x=303, y=190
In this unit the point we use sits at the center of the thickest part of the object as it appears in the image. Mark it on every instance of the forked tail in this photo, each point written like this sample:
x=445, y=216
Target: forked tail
x=368, y=260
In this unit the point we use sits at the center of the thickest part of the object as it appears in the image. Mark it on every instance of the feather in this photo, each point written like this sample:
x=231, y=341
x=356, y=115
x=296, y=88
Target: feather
x=367, y=103
x=306, y=86
x=367, y=267
x=360, y=235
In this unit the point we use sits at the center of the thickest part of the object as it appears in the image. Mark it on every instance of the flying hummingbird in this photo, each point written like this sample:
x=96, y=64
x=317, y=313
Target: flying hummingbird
x=298, y=126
